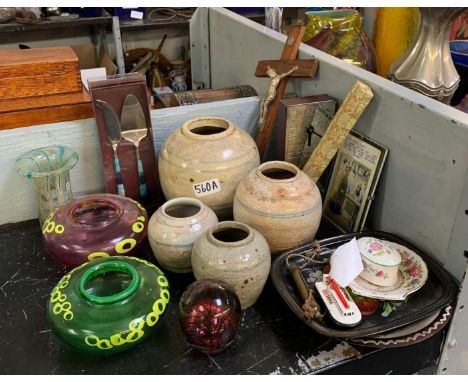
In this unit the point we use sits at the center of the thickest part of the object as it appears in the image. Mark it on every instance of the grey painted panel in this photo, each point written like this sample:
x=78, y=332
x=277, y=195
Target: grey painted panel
x=17, y=201
x=200, y=48
x=243, y=112
x=454, y=358
x=421, y=186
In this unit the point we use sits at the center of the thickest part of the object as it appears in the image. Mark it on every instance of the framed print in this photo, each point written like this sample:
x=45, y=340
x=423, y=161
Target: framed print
x=356, y=171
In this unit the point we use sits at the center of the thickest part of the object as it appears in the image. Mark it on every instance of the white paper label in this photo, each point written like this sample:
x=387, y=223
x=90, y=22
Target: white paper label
x=136, y=15
x=89, y=74
x=163, y=90
x=346, y=263
x=207, y=187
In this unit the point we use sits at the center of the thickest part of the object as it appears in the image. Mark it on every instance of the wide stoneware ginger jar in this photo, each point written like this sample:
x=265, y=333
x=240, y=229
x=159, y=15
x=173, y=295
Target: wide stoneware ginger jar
x=206, y=158
x=281, y=202
x=234, y=253
x=108, y=305
x=93, y=227
x=173, y=229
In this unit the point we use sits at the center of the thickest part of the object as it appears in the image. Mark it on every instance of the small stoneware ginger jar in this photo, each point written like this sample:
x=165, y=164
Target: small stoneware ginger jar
x=173, y=229
x=94, y=226
x=206, y=158
x=380, y=261
x=281, y=202
x=234, y=253
x=108, y=305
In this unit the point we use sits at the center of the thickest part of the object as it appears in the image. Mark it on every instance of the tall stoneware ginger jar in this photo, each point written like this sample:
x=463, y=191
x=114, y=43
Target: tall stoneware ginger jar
x=173, y=229
x=234, y=253
x=281, y=202
x=206, y=158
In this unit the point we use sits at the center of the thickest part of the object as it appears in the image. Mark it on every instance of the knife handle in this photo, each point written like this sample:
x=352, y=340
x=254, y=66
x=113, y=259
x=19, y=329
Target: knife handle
x=120, y=186
x=141, y=177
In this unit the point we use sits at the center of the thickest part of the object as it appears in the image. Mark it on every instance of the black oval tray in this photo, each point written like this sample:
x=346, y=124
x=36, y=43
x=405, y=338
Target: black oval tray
x=438, y=291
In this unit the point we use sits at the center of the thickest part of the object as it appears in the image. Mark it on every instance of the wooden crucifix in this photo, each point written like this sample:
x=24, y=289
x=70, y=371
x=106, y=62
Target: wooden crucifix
x=278, y=71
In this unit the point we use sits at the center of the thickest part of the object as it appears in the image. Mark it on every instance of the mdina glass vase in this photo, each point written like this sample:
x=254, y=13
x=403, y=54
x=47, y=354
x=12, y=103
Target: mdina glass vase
x=209, y=313
x=94, y=226
x=49, y=168
x=390, y=41
x=108, y=305
x=339, y=33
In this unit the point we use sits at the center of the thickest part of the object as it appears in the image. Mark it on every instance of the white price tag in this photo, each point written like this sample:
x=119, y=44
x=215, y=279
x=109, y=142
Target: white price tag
x=136, y=15
x=163, y=90
x=207, y=187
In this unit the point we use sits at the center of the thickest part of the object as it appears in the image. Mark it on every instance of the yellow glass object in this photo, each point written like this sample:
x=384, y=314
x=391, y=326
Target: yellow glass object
x=395, y=30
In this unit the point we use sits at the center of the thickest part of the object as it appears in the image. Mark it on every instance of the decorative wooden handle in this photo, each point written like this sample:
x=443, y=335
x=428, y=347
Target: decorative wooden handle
x=119, y=180
x=349, y=112
x=141, y=178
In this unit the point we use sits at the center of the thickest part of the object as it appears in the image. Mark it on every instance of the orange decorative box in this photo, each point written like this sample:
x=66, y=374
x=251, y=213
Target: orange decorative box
x=41, y=85
x=41, y=71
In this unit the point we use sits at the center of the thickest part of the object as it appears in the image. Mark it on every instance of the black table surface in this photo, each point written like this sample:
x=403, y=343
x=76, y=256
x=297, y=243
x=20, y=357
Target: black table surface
x=271, y=339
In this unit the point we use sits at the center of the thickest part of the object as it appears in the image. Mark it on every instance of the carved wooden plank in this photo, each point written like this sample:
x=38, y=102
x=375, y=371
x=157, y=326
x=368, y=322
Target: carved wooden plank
x=306, y=68
x=289, y=53
x=344, y=120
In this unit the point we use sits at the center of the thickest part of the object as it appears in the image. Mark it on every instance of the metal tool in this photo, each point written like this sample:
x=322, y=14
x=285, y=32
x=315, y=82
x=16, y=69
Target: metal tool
x=113, y=131
x=134, y=129
x=310, y=307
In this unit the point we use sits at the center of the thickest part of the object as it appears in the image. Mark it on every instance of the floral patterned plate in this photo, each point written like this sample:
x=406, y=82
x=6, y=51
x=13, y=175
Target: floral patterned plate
x=412, y=268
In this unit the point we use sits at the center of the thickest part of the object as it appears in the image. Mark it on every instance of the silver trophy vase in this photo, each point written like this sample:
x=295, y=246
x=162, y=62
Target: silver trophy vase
x=427, y=66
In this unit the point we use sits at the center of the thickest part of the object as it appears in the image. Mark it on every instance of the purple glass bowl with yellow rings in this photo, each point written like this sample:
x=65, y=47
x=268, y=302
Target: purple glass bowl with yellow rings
x=93, y=227
x=108, y=305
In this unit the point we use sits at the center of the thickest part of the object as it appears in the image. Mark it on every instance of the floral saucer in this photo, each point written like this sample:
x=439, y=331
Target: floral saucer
x=413, y=269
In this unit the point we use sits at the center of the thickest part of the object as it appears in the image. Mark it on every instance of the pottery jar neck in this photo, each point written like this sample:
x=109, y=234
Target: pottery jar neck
x=230, y=234
x=207, y=128
x=183, y=210
x=103, y=268
x=278, y=172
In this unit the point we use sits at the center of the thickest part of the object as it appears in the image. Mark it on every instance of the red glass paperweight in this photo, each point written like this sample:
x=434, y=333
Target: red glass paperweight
x=209, y=313
x=93, y=227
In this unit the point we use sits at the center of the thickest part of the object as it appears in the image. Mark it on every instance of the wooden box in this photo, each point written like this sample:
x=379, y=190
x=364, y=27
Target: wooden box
x=41, y=71
x=41, y=85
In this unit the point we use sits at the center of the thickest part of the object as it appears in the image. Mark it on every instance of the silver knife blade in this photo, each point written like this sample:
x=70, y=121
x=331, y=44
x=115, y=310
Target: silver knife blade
x=111, y=121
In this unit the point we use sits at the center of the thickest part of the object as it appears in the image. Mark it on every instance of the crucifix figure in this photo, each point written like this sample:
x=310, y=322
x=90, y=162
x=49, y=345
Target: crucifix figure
x=275, y=79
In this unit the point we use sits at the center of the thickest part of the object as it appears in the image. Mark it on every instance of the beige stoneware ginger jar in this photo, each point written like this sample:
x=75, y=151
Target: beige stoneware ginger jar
x=281, y=202
x=206, y=158
x=173, y=229
x=236, y=254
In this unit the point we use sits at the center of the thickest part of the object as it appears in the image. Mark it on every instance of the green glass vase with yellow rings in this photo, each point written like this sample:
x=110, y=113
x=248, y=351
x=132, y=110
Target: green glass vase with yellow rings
x=108, y=305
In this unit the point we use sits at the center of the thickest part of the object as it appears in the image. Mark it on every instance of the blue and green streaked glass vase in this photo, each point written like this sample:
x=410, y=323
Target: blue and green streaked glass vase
x=49, y=168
